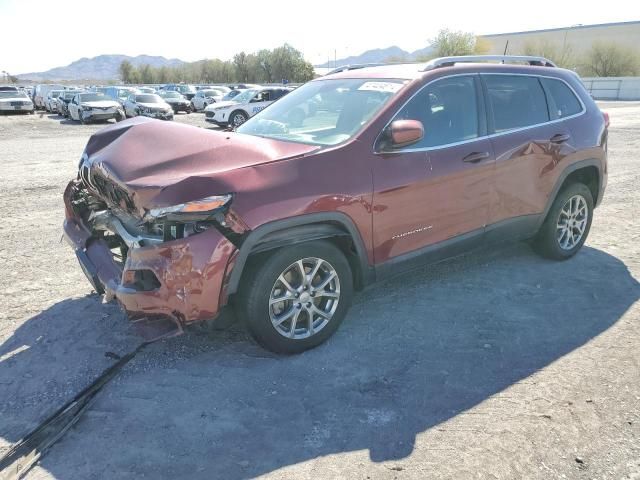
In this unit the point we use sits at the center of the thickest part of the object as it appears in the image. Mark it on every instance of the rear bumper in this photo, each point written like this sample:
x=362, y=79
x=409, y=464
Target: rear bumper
x=190, y=272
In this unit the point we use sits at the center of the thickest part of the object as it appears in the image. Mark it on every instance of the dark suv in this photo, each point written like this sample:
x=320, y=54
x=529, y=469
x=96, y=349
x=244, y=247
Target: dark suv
x=350, y=178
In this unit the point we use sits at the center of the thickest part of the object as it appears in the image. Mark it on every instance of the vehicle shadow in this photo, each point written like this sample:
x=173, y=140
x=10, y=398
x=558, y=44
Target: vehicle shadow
x=414, y=351
x=54, y=355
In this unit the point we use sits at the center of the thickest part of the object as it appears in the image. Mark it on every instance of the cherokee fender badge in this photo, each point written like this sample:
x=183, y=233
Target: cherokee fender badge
x=417, y=230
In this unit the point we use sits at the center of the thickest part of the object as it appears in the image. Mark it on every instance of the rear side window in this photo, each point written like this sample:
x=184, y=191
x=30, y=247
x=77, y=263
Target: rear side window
x=448, y=110
x=562, y=101
x=516, y=101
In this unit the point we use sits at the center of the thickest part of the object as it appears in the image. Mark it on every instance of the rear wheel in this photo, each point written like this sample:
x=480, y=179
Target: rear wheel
x=296, y=298
x=567, y=225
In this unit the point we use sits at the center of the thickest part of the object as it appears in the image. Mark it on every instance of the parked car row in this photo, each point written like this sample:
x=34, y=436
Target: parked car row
x=223, y=105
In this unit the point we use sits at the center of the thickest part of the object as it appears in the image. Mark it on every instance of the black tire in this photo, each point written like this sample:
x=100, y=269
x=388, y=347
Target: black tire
x=119, y=117
x=239, y=113
x=252, y=303
x=546, y=242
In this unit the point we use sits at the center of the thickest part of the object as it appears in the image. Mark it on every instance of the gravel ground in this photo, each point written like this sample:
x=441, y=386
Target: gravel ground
x=495, y=365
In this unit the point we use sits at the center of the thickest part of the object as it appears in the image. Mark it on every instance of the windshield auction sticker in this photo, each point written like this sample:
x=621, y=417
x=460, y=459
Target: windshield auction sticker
x=389, y=87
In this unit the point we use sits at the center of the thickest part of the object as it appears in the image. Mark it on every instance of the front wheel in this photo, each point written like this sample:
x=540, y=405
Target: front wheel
x=567, y=225
x=237, y=118
x=297, y=297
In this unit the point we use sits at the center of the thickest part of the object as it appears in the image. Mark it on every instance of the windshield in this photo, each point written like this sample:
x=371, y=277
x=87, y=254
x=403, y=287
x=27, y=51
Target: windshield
x=12, y=94
x=93, y=97
x=125, y=92
x=231, y=94
x=55, y=93
x=69, y=95
x=186, y=88
x=171, y=95
x=325, y=112
x=149, y=99
x=210, y=93
x=245, y=96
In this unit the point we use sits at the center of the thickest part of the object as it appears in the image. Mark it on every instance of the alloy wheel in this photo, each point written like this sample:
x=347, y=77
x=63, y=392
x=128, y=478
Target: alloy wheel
x=238, y=119
x=304, y=298
x=572, y=222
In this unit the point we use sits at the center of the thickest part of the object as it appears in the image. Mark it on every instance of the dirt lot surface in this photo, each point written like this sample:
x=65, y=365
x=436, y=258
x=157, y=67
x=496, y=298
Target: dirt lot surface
x=495, y=365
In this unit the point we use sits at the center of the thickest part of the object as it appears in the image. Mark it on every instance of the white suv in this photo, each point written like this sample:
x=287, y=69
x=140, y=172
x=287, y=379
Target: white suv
x=243, y=106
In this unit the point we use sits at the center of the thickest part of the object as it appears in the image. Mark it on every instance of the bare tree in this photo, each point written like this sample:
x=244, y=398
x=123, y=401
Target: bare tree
x=609, y=59
x=125, y=71
x=562, y=55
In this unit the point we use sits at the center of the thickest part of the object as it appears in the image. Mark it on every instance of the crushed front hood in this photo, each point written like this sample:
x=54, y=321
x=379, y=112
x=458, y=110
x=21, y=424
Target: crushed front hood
x=162, y=163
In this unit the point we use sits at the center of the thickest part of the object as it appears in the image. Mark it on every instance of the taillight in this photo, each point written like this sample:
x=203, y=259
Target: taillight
x=606, y=119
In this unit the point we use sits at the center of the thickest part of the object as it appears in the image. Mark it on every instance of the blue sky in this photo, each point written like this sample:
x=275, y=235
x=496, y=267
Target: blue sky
x=196, y=29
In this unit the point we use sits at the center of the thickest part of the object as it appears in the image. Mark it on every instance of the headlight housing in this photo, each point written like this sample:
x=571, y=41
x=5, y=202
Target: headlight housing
x=197, y=210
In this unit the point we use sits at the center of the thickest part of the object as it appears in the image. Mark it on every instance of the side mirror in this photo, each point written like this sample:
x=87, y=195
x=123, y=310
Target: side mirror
x=402, y=133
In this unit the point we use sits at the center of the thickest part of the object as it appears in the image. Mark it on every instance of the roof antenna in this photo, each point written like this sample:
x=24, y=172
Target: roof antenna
x=506, y=47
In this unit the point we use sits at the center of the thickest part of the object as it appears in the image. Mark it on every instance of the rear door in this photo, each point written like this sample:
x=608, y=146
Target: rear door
x=437, y=189
x=528, y=144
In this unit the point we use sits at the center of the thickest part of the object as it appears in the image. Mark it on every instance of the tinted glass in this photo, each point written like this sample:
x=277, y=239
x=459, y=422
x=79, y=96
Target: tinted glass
x=563, y=101
x=448, y=110
x=517, y=101
x=12, y=94
x=93, y=97
x=148, y=99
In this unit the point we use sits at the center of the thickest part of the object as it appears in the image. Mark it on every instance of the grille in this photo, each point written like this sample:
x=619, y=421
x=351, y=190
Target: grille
x=112, y=192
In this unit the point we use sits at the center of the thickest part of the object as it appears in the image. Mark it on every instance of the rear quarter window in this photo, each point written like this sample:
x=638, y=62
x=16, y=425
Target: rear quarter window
x=562, y=101
x=516, y=101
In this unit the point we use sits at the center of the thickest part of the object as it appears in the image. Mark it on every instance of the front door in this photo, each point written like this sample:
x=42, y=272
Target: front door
x=438, y=189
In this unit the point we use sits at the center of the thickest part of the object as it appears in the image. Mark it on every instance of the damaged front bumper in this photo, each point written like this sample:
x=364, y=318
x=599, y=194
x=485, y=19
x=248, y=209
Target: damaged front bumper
x=182, y=280
x=98, y=114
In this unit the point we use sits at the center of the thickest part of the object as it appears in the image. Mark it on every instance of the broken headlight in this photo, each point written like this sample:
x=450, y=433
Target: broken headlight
x=197, y=210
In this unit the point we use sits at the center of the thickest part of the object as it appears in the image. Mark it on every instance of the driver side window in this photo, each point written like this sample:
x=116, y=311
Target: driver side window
x=448, y=110
x=261, y=97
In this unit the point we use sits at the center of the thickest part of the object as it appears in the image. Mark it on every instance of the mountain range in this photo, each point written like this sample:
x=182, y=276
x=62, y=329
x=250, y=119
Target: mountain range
x=106, y=67
x=379, y=55
x=102, y=67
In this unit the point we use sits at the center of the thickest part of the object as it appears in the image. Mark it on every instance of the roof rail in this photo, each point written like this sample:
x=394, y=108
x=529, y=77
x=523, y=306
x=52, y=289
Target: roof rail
x=355, y=66
x=450, y=61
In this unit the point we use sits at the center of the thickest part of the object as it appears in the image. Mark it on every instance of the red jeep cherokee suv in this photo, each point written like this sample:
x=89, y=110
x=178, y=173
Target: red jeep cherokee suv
x=350, y=178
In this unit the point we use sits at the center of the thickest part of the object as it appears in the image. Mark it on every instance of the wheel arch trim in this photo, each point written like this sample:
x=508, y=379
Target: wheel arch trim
x=312, y=226
x=574, y=167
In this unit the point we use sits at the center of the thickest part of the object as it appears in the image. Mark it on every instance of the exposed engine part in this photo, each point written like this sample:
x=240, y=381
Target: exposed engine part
x=106, y=221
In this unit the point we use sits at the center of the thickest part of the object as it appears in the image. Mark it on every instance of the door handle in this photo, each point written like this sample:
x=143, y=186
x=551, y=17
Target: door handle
x=475, y=157
x=560, y=138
